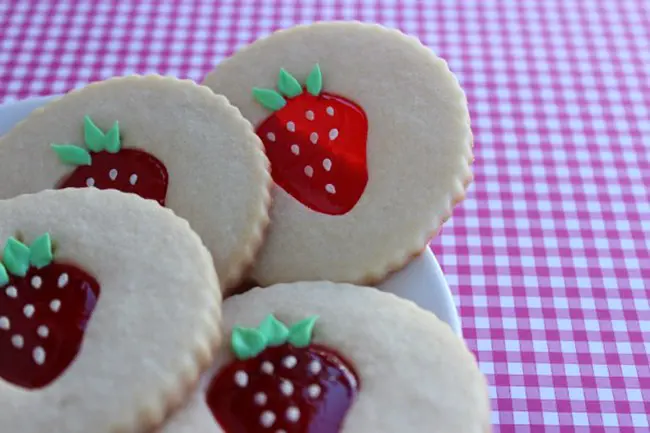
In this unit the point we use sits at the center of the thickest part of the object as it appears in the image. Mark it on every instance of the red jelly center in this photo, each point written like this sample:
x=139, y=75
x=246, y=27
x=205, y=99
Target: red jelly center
x=284, y=389
x=43, y=317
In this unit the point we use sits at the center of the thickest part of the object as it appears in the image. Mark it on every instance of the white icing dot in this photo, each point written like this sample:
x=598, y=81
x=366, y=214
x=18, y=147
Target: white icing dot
x=260, y=399
x=43, y=331
x=291, y=126
x=290, y=361
x=90, y=181
x=37, y=282
x=4, y=323
x=63, y=280
x=286, y=388
x=334, y=133
x=11, y=292
x=241, y=379
x=309, y=171
x=133, y=179
x=330, y=188
x=330, y=111
x=267, y=367
x=313, y=137
x=315, y=367
x=295, y=149
x=309, y=115
x=55, y=305
x=293, y=414
x=17, y=341
x=112, y=174
x=39, y=355
x=313, y=391
x=267, y=418
x=28, y=310
x=327, y=164
x=270, y=136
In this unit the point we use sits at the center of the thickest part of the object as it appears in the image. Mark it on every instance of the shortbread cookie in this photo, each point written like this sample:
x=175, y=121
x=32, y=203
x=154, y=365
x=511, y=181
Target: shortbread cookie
x=325, y=358
x=109, y=312
x=165, y=139
x=368, y=136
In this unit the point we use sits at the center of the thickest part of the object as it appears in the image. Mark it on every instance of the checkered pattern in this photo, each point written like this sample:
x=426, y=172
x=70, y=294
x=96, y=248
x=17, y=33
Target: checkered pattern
x=548, y=256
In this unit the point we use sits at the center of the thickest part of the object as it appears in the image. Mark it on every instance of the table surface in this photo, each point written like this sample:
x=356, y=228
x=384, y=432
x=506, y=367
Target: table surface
x=548, y=256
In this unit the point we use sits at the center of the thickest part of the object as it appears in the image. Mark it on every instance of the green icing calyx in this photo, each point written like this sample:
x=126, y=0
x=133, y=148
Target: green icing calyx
x=288, y=85
x=269, y=98
x=71, y=154
x=315, y=81
x=247, y=343
x=95, y=139
x=16, y=257
x=40, y=251
x=4, y=276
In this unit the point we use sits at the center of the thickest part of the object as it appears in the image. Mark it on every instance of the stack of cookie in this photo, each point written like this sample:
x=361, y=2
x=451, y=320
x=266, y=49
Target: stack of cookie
x=317, y=158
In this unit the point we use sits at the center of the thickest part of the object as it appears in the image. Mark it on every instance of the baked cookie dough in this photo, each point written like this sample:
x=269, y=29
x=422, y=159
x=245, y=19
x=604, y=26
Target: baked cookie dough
x=165, y=139
x=109, y=312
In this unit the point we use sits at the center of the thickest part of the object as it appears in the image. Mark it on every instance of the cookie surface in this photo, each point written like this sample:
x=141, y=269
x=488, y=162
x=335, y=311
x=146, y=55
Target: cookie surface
x=370, y=149
x=174, y=142
x=410, y=367
x=113, y=328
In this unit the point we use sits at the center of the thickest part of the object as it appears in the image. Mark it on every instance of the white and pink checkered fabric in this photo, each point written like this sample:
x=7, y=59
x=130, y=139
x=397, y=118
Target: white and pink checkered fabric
x=548, y=256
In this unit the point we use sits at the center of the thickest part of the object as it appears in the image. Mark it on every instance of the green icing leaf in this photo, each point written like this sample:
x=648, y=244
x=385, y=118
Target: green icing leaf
x=276, y=332
x=269, y=98
x=288, y=85
x=16, y=257
x=93, y=136
x=4, y=276
x=247, y=343
x=315, y=81
x=71, y=154
x=40, y=251
x=300, y=333
x=112, y=139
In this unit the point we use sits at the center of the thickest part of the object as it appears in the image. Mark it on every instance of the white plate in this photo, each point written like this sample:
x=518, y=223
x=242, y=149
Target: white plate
x=421, y=281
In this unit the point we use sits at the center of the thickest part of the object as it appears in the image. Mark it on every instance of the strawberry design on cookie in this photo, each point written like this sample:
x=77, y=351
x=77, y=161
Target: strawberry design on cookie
x=316, y=142
x=282, y=383
x=44, y=309
x=107, y=165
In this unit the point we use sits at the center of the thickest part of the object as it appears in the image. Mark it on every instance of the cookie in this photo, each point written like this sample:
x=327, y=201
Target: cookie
x=164, y=139
x=109, y=312
x=369, y=140
x=325, y=357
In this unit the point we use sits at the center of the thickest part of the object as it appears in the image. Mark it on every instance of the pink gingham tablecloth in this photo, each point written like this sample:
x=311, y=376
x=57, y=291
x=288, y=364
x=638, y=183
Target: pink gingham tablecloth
x=548, y=256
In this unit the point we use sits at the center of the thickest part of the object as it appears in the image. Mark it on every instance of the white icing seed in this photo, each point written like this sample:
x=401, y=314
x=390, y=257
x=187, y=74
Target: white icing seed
x=293, y=414
x=313, y=391
x=55, y=305
x=90, y=181
x=267, y=418
x=309, y=115
x=63, y=280
x=39, y=355
x=270, y=136
x=28, y=310
x=286, y=388
x=17, y=341
x=313, y=137
x=112, y=174
x=260, y=399
x=330, y=188
x=290, y=361
x=133, y=179
x=291, y=126
x=43, y=331
x=37, y=282
x=330, y=111
x=309, y=171
x=315, y=367
x=241, y=379
x=327, y=164
x=334, y=133
x=295, y=149
x=267, y=367
x=4, y=323
x=11, y=292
